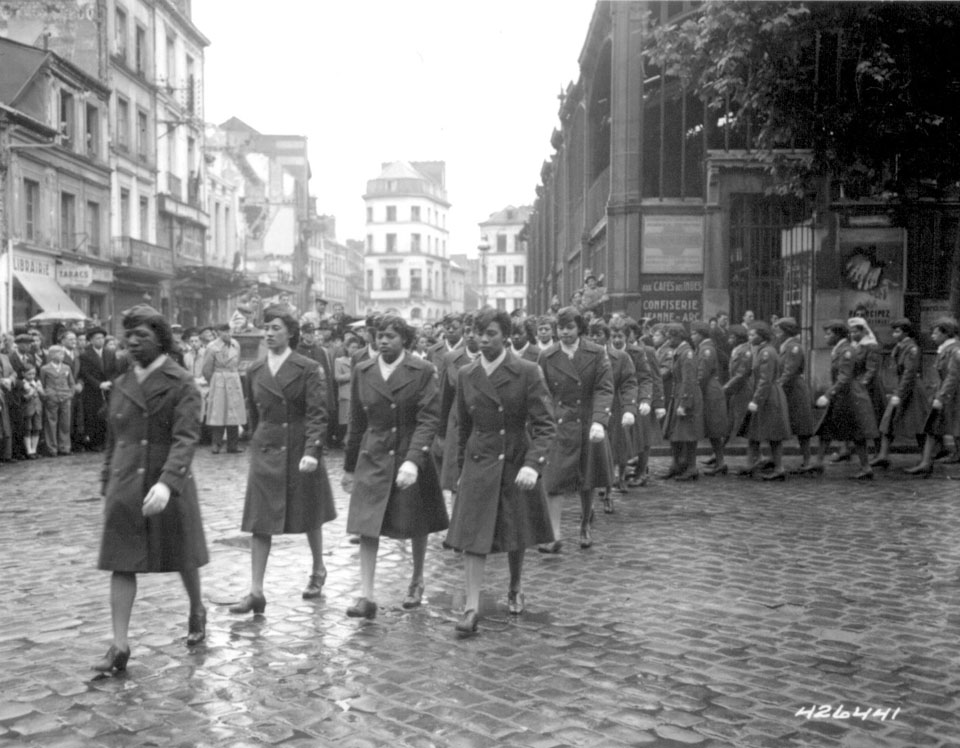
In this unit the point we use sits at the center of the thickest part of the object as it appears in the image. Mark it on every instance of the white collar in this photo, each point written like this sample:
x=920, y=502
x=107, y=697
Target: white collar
x=142, y=372
x=275, y=360
x=839, y=343
x=570, y=350
x=943, y=346
x=521, y=351
x=387, y=369
x=490, y=366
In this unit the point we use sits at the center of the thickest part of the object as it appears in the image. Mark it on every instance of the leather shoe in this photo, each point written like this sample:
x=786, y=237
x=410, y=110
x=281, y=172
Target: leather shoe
x=216, y=450
x=607, y=504
x=689, y=474
x=314, y=587
x=553, y=547
x=197, y=627
x=467, y=625
x=673, y=472
x=363, y=608
x=775, y=475
x=515, y=602
x=414, y=596
x=721, y=469
x=585, y=540
x=920, y=469
x=709, y=462
x=814, y=469
x=638, y=482
x=840, y=457
x=256, y=603
x=114, y=661
x=951, y=459
x=864, y=475
x=880, y=462
x=749, y=471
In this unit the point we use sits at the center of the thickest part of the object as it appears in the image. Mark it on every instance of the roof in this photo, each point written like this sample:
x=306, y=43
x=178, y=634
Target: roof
x=509, y=215
x=20, y=63
x=400, y=170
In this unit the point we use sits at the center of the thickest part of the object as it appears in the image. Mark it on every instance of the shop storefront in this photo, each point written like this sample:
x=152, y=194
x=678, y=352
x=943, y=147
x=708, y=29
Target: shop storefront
x=35, y=289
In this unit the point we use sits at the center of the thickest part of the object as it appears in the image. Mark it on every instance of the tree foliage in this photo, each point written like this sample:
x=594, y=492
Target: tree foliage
x=871, y=89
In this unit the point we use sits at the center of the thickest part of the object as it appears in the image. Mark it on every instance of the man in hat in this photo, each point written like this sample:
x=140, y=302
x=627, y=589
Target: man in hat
x=321, y=306
x=98, y=367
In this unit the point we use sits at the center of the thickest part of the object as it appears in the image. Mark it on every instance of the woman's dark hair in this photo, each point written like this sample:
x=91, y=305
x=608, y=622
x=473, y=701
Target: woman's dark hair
x=282, y=313
x=762, y=329
x=738, y=333
x=526, y=327
x=571, y=314
x=400, y=326
x=601, y=327
x=150, y=317
x=788, y=325
x=837, y=327
x=675, y=330
x=948, y=325
x=904, y=325
x=488, y=316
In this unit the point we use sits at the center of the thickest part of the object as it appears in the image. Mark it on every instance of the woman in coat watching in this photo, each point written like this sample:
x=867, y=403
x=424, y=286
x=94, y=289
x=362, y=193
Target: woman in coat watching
x=504, y=430
x=288, y=491
x=388, y=471
x=793, y=362
x=580, y=381
x=769, y=419
x=151, y=514
x=907, y=410
x=225, y=405
x=683, y=427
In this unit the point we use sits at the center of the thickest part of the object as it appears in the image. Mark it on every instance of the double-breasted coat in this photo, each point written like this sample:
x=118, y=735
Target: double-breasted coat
x=687, y=394
x=771, y=422
x=153, y=428
x=391, y=422
x=793, y=361
x=947, y=419
x=221, y=369
x=446, y=439
x=849, y=415
x=665, y=361
x=739, y=386
x=649, y=382
x=289, y=417
x=626, y=399
x=867, y=367
x=581, y=389
x=908, y=418
x=504, y=423
x=715, y=422
x=531, y=352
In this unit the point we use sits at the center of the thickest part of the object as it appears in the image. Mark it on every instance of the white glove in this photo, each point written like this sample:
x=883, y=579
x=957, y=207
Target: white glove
x=823, y=401
x=407, y=475
x=628, y=420
x=527, y=477
x=894, y=400
x=156, y=499
x=681, y=411
x=660, y=413
x=308, y=464
x=937, y=404
x=753, y=407
x=346, y=482
x=644, y=409
x=105, y=386
x=597, y=433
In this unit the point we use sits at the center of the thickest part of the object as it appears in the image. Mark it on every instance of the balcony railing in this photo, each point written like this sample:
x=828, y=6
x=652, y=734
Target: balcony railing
x=141, y=255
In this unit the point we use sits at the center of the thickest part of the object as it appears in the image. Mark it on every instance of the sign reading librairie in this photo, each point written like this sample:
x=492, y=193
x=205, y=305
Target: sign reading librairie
x=672, y=244
x=671, y=298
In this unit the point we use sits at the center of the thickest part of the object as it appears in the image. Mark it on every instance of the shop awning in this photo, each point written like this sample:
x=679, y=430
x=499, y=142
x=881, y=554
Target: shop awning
x=48, y=295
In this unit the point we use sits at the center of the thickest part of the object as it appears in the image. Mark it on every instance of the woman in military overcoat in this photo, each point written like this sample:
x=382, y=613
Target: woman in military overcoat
x=580, y=381
x=504, y=429
x=288, y=491
x=648, y=424
x=683, y=427
x=715, y=423
x=907, y=410
x=151, y=517
x=738, y=389
x=793, y=362
x=769, y=418
x=388, y=469
x=848, y=414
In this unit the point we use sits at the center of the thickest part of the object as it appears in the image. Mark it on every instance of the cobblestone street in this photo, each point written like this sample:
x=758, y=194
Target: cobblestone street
x=707, y=613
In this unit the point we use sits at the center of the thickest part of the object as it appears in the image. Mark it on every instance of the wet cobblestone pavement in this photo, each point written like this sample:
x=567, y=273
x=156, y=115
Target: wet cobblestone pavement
x=706, y=614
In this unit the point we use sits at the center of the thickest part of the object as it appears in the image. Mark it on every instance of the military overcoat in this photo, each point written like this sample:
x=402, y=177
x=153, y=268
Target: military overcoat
x=739, y=386
x=947, y=420
x=686, y=394
x=626, y=398
x=867, y=367
x=447, y=433
x=908, y=418
x=849, y=415
x=793, y=361
x=715, y=421
x=771, y=422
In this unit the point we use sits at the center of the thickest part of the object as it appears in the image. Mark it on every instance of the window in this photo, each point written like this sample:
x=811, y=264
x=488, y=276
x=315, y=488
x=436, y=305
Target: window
x=123, y=124
x=518, y=274
x=191, y=102
x=142, y=135
x=501, y=242
x=68, y=221
x=518, y=302
x=93, y=130
x=391, y=213
x=501, y=305
x=369, y=242
x=416, y=280
x=140, y=50
x=68, y=122
x=172, y=151
x=124, y=212
x=31, y=209
x=415, y=213
x=414, y=242
x=93, y=228
x=391, y=279
x=391, y=242
x=501, y=273
x=120, y=35
x=145, y=219
x=416, y=313
x=369, y=215
x=171, y=61
x=369, y=280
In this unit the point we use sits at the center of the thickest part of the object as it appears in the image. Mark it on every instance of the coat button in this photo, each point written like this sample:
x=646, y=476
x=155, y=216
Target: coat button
x=141, y=470
x=578, y=402
x=393, y=406
x=143, y=442
x=559, y=420
x=502, y=432
x=392, y=452
x=394, y=429
x=500, y=409
x=500, y=457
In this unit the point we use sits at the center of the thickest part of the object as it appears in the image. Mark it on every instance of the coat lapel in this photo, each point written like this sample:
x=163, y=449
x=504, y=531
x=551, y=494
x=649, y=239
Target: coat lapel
x=482, y=382
x=375, y=379
x=266, y=380
x=401, y=377
x=288, y=373
x=128, y=386
x=583, y=361
x=564, y=364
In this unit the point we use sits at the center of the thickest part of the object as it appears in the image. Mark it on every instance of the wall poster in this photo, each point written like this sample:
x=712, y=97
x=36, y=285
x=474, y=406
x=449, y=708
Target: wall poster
x=872, y=274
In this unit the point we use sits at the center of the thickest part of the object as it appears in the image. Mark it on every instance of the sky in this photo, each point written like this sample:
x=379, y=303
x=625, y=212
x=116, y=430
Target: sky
x=471, y=84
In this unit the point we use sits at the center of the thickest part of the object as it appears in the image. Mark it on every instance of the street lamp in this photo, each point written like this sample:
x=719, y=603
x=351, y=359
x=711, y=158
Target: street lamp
x=484, y=247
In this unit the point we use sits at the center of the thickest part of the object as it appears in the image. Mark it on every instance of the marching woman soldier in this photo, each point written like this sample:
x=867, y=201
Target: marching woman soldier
x=793, y=361
x=944, y=417
x=288, y=490
x=906, y=412
x=664, y=359
x=578, y=376
x=388, y=471
x=504, y=430
x=447, y=433
x=648, y=425
x=868, y=363
x=716, y=427
x=523, y=335
x=849, y=411
x=738, y=389
x=623, y=411
x=769, y=420
x=151, y=513
x=683, y=427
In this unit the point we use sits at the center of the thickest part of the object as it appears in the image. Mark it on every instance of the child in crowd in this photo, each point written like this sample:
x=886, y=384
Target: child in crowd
x=31, y=392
